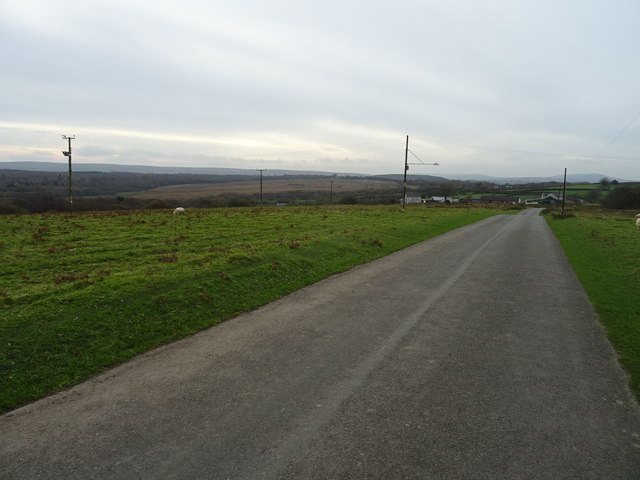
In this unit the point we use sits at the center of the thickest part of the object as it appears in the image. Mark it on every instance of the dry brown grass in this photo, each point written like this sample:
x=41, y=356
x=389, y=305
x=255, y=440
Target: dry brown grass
x=193, y=191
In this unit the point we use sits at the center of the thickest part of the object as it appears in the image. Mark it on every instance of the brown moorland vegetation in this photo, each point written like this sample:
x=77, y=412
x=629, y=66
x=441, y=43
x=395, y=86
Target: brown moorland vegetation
x=192, y=191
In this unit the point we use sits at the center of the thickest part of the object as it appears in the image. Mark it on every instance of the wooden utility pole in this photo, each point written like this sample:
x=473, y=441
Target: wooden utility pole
x=261, y=170
x=406, y=167
x=68, y=154
x=404, y=181
x=564, y=191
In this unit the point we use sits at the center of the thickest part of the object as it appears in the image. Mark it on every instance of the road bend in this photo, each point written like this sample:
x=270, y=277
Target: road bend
x=472, y=355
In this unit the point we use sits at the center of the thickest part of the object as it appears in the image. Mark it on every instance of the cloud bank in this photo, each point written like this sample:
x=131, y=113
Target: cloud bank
x=510, y=88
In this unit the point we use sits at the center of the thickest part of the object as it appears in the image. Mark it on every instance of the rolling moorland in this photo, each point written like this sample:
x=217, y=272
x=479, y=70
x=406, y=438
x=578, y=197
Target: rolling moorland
x=23, y=191
x=120, y=275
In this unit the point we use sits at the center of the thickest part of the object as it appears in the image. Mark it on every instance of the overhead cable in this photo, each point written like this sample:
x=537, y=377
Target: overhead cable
x=616, y=137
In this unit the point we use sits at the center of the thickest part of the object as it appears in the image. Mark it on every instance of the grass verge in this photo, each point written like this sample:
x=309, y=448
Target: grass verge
x=80, y=293
x=604, y=248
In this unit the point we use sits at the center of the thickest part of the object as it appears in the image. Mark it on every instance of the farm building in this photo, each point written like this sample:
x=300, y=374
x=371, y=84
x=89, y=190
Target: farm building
x=553, y=199
x=444, y=200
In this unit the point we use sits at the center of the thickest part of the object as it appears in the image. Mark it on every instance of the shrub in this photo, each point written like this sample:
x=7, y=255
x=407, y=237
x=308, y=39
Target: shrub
x=349, y=200
x=6, y=207
x=623, y=198
x=156, y=204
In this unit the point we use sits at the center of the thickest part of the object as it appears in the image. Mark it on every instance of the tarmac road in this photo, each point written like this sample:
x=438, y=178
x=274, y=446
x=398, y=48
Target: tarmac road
x=473, y=355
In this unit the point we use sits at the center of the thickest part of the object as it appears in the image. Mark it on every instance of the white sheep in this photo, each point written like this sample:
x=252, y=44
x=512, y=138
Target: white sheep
x=178, y=211
x=638, y=222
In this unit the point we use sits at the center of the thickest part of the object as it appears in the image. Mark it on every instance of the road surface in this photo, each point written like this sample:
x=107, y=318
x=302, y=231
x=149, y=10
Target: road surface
x=473, y=355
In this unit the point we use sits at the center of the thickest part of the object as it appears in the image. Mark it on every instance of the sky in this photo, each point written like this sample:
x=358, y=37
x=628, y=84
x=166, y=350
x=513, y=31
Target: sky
x=492, y=87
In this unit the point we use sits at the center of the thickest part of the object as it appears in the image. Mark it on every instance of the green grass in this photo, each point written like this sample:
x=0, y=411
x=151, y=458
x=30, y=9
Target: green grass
x=576, y=190
x=80, y=293
x=604, y=249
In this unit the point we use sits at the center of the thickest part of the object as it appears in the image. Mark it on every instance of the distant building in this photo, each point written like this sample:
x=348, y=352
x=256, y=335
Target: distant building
x=554, y=199
x=412, y=199
x=545, y=199
x=436, y=199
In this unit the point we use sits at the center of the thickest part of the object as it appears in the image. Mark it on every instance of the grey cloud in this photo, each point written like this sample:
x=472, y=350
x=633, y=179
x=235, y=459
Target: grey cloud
x=542, y=76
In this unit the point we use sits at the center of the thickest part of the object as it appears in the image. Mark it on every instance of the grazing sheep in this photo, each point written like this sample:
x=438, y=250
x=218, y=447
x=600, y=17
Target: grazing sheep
x=638, y=222
x=178, y=211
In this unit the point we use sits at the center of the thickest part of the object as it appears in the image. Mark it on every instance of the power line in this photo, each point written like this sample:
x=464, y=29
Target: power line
x=616, y=137
x=419, y=159
x=500, y=149
x=350, y=147
x=534, y=152
x=376, y=144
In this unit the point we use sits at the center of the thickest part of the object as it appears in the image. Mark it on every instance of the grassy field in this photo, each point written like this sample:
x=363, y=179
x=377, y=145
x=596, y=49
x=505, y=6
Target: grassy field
x=604, y=249
x=80, y=293
x=573, y=188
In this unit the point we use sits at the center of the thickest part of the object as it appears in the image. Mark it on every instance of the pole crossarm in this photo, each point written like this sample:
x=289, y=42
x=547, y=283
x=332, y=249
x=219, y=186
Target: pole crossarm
x=420, y=160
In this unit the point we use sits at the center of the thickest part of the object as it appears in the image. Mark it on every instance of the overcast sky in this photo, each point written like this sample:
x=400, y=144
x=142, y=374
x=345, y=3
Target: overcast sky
x=494, y=87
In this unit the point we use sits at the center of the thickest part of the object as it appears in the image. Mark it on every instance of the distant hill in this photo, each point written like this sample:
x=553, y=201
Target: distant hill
x=109, y=168
x=398, y=177
x=571, y=178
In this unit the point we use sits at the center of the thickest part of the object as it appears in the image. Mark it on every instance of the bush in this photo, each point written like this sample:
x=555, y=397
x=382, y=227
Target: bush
x=7, y=207
x=153, y=204
x=623, y=198
x=238, y=200
x=349, y=200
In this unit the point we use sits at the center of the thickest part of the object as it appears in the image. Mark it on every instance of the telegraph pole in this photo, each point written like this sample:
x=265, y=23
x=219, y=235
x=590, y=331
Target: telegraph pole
x=406, y=167
x=261, y=170
x=564, y=191
x=68, y=154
